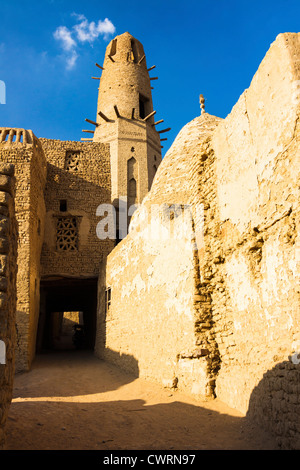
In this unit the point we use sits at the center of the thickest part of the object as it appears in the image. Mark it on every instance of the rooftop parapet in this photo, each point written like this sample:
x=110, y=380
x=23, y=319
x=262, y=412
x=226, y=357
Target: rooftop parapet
x=16, y=136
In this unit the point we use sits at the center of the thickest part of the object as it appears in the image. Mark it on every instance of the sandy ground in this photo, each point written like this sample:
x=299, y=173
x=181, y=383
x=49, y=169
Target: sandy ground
x=74, y=401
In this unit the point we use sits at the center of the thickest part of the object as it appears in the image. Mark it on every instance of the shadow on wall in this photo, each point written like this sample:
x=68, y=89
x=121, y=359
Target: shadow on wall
x=125, y=362
x=70, y=195
x=62, y=180
x=274, y=404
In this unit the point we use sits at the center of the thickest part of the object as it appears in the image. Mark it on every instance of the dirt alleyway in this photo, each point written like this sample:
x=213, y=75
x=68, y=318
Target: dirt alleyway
x=74, y=401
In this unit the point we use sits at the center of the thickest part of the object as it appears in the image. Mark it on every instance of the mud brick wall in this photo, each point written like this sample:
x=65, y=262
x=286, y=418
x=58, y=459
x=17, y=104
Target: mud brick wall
x=27, y=155
x=83, y=185
x=8, y=292
x=256, y=308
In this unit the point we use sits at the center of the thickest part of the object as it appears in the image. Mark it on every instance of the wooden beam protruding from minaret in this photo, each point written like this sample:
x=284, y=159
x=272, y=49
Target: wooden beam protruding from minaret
x=92, y=122
x=163, y=139
x=87, y=130
x=100, y=67
x=116, y=111
x=153, y=78
x=149, y=116
x=164, y=130
x=111, y=58
x=158, y=122
x=96, y=78
x=104, y=117
x=151, y=68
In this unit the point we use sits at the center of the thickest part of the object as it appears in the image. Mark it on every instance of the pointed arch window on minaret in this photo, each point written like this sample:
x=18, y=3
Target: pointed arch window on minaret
x=132, y=181
x=132, y=190
x=131, y=167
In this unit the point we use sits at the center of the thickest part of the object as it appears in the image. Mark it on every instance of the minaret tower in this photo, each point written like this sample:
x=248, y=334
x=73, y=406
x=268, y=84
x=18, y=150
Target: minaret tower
x=125, y=119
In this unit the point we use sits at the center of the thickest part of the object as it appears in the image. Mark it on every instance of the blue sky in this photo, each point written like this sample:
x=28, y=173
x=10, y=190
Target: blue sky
x=48, y=51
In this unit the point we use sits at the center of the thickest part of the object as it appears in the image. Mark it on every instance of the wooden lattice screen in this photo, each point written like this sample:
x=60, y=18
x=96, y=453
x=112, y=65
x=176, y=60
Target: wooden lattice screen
x=67, y=234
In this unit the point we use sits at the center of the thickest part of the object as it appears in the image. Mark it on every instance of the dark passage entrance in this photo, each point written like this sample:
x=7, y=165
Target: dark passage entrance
x=68, y=307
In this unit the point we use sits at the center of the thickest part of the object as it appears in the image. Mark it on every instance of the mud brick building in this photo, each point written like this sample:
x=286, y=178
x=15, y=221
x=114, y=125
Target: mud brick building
x=202, y=294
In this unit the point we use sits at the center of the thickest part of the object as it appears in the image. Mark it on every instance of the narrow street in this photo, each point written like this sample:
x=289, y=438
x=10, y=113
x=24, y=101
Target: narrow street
x=74, y=401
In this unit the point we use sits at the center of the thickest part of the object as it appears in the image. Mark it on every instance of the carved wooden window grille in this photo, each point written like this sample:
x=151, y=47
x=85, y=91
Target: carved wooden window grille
x=67, y=234
x=72, y=161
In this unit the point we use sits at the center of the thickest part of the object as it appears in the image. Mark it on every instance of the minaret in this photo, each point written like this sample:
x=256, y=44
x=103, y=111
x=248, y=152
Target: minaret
x=125, y=119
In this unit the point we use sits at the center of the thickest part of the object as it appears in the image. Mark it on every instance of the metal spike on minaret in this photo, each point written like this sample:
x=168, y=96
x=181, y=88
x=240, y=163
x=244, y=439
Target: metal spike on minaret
x=202, y=104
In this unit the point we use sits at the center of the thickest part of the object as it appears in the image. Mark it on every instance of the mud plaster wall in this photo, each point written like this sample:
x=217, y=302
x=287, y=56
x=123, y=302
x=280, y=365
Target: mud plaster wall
x=135, y=332
x=151, y=326
x=256, y=319
x=8, y=272
x=30, y=173
x=84, y=188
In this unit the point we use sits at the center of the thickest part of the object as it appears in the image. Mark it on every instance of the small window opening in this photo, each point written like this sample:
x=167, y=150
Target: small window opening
x=113, y=48
x=107, y=298
x=63, y=205
x=143, y=104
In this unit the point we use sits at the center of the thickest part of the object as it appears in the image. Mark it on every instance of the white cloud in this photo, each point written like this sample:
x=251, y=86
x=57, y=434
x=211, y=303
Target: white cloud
x=83, y=31
x=63, y=34
x=71, y=60
x=88, y=32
